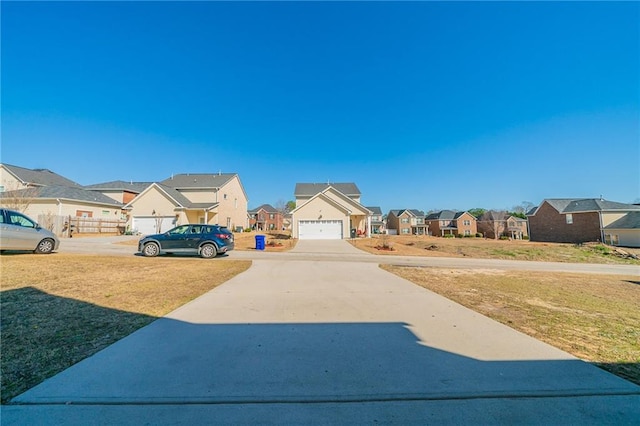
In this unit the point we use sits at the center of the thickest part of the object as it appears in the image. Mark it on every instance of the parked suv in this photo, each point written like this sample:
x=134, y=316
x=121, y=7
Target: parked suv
x=20, y=232
x=205, y=240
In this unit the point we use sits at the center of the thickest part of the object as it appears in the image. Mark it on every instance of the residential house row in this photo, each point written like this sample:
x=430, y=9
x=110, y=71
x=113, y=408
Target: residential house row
x=323, y=210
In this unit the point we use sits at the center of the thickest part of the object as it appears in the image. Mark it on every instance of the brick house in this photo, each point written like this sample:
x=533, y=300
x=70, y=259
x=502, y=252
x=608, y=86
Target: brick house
x=406, y=222
x=449, y=222
x=496, y=224
x=571, y=220
x=266, y=218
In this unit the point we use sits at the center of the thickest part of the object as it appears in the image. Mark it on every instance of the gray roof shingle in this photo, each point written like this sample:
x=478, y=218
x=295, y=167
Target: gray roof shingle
x=375, y=210
x=64, y=192
x=629, y=221
x=266, y=207
x=582, y=205
x=311, y=189
x=597, y=204
x=119, y=185
x=198, y=180
x=40, y=177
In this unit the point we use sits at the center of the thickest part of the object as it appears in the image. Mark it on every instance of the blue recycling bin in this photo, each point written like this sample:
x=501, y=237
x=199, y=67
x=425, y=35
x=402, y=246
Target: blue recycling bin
x=259, y=242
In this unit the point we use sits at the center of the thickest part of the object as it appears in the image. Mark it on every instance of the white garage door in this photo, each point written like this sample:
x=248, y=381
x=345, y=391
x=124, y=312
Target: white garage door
x=320, y=229
x=146, y=225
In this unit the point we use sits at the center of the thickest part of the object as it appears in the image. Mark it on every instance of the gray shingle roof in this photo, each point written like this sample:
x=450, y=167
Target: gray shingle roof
x=581, y=205
x=375, y=210
x=64, y=192
x=198, y=180
x=266, y=207
x=311, y=189
x=120, y=185
x=40, y=177
x=444, y=215
x=414, y=212
x=629, y=221
x=597, y=204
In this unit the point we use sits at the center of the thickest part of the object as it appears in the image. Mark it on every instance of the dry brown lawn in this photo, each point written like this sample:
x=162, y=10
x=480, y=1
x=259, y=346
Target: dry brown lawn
x=58, y=309
x=275, y=241
x=413, y=245
x=594, y=317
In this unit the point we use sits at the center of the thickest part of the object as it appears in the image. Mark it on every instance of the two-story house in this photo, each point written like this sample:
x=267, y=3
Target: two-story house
x=329, y=211
x=451, y=222
x=377, y=220
x=496, y=224
x=571, y=220
x=407, y=222
x=266, y=218
x=189, y=198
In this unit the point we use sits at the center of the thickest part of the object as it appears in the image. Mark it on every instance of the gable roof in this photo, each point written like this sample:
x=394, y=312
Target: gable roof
x=266, y=207
x=442, y=215
x=375, y=210
x=411, y=212
x=198, y=180
x=584, y=205
x=597, y=204
x=311, y=189
x=323, y=194
x=63, y=192
x=119, y=185
x=175, y=196
x=629, y=221
x=39, y=177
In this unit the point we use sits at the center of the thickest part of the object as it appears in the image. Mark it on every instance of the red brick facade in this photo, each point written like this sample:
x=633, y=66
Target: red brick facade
x=547, y=224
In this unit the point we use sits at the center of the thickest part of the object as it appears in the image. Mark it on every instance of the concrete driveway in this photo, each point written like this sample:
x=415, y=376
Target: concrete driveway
x=327, y=342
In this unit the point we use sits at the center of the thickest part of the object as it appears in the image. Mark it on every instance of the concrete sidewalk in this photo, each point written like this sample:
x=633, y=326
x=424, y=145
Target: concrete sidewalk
x=314, y=342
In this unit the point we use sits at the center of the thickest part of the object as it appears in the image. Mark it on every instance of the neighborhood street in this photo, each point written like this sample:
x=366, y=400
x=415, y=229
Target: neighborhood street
x=321, y=335
x=340, y=251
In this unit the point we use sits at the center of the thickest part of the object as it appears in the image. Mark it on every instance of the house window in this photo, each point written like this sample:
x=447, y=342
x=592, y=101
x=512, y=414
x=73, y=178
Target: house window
x=466, y=223
x=271, y=216
x=105, y=212
x=569, y=218
x=224, y=196
x=405, y=230
x=83, y=213
x=467, y=232
x=611, y=239
x=404, y=220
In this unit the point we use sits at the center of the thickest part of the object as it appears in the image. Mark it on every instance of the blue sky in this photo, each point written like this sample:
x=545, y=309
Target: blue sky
x=427, y=105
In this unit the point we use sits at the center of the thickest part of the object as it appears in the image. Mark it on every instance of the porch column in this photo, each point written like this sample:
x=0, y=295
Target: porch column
x=368, y=226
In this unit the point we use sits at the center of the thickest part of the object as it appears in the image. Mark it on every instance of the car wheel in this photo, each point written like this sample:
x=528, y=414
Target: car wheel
x=45, y=246
x=208, y=251
x=150, y=249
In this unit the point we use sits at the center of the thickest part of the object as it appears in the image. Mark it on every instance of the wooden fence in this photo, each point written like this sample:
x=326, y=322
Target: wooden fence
x=67, y=226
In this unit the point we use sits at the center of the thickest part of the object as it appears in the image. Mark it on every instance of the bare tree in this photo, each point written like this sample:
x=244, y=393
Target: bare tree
x=281, y=206
x=523, y=207
x=18, y=199
x=493, y=223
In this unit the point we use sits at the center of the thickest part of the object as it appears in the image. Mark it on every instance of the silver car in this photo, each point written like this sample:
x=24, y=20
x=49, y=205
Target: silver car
x=19, y=232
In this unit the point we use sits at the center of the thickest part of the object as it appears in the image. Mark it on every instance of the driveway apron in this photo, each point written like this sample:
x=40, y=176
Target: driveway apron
x=359, y=343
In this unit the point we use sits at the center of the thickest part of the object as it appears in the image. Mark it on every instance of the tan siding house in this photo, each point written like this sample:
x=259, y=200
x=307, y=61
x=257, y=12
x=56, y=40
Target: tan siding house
x=329, y=211
x=189, y=198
